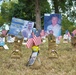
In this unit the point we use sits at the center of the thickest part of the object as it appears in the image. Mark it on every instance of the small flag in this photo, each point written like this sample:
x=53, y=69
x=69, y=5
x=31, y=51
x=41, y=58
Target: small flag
x=69, y=34
x=37, y=40
x=29, y=43
x=74, y=32
x=46, y=34
x=59, y=37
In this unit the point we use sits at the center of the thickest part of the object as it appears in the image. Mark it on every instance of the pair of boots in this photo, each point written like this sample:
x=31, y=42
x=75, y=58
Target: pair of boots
x=53, y=53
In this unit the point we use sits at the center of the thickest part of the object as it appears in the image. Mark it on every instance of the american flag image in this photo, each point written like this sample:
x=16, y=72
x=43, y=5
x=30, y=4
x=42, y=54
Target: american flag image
x=37, y=40
x=69, y=34
x=59, y=37
x=29, y=43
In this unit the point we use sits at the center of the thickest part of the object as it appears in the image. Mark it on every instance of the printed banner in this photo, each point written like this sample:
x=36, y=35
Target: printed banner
x=16, y=26
x=52, y=22
x=23, y=26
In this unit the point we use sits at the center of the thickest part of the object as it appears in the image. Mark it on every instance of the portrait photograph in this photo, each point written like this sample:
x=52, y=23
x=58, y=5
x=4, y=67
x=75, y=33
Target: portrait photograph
x=52, y=22
x=27, y=28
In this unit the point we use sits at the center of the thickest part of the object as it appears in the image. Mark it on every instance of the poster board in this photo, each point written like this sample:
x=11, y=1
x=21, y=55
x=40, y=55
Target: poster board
x=20, y=25
x=16, y=26
x=52, y=22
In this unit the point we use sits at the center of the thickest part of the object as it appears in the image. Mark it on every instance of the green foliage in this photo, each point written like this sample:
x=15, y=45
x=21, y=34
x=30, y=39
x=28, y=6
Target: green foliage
x=30, y=8
x=65, y=6
x=67, y=25
x=17, y=10
x=1, y=20
x=26, y=10
x=44, y=8
x=5, y=11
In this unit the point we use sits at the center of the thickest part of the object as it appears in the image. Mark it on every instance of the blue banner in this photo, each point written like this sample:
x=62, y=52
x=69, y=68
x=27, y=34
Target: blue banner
x=21, y=26
x=16, y=26
x=52, y=22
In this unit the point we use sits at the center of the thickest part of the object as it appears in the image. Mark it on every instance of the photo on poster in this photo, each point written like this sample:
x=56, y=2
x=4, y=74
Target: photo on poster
x=52, y=22
x=27, y=28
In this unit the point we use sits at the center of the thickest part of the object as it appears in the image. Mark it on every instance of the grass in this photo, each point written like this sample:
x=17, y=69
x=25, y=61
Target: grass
x=65, y=64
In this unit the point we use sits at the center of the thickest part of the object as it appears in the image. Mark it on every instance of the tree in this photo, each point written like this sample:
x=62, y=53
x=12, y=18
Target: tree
x=67, y=25
x=38, y=15
x=17, y=10
x=5, y=11
x=27, y=9
x=37, y=8
x=65, y=6
x=1, y=20
x=61, y=5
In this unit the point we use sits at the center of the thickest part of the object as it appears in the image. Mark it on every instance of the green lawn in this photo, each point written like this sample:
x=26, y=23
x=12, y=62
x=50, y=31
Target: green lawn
x=65, y=64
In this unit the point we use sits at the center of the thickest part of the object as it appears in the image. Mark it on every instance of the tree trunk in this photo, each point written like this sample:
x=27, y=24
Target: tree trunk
x=56, y=6
x=37, y=12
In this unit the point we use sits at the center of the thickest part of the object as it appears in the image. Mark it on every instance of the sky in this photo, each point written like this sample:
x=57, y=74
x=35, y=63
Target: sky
x=1, y=2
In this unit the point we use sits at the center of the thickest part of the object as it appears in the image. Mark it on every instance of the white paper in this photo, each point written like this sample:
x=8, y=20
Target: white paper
x=44, y=41
x=46, y=14
x=10, y=39
x=34, y=54
x=5, y=47
x=7, y=27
